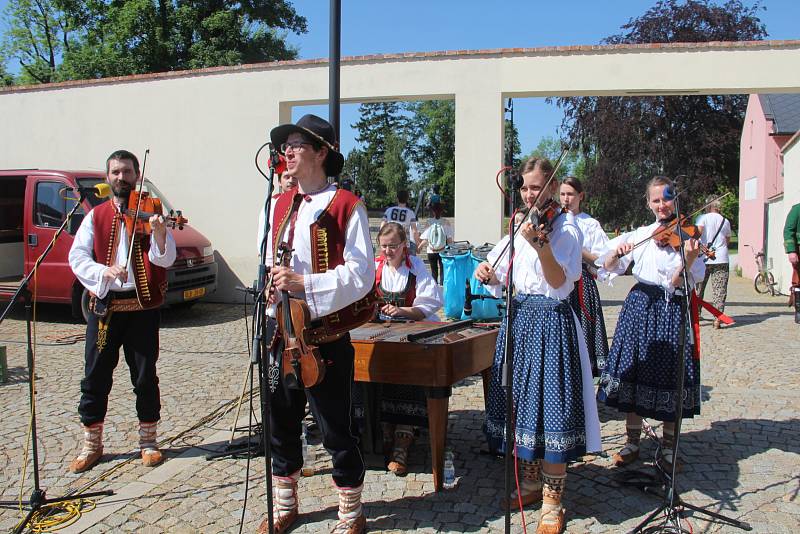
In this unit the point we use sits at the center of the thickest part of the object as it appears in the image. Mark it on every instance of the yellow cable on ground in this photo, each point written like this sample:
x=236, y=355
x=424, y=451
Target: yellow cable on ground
x=54, y=516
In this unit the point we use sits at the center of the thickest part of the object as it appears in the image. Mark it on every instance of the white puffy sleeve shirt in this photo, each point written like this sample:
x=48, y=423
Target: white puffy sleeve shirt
x=90, y=273
x=652, y=264
x=565, y=241
x=332, y=290
x=429, y=294
x=594, y=237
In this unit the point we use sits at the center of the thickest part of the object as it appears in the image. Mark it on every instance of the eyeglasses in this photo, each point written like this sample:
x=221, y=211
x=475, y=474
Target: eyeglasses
x=391, y=247
x=294, y=145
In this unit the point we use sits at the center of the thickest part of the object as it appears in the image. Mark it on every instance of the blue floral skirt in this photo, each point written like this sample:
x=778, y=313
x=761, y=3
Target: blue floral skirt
x=640, y=372
x=592, y=323
x=549, y=417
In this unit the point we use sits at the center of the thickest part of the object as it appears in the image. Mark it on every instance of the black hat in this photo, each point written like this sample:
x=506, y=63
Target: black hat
x=320, y=130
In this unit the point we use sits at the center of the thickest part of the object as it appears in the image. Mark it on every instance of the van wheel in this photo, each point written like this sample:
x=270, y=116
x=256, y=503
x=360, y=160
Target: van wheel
x=85, y=305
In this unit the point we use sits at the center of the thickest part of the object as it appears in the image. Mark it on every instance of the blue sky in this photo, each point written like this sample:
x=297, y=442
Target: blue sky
x=376, y=27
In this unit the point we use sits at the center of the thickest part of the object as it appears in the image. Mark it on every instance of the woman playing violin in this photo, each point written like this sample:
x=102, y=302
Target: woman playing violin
x=640, y=373
x=407, y=291
x=585, y=299
x=556, y=416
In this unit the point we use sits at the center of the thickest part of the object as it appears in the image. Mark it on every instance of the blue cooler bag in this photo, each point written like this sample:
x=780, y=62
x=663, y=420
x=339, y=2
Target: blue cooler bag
x=458, y=268
x=482, y=309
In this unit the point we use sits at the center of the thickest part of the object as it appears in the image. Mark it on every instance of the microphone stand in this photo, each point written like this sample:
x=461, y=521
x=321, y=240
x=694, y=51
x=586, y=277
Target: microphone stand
x=507, y=383
x=264, y=330
x=39, y=497
x=673, y=505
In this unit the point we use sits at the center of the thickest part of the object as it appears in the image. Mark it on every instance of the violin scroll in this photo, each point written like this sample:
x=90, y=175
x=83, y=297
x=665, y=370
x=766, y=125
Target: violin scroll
x=148, y=206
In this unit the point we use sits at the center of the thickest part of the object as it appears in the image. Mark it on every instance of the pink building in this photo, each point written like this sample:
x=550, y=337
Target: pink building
x=770, y=121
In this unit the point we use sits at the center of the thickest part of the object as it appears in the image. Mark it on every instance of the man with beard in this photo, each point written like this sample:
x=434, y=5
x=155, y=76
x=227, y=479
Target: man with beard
x=124, y=303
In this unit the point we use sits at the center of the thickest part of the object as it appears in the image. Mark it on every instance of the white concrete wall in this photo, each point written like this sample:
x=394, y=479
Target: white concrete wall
x=203, y=127
x=791, y=196
x=775, y=256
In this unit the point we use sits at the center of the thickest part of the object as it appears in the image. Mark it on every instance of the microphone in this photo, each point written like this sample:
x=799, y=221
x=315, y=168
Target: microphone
x=467, y=300
x=670, y=193
x=101, y=190
x=276, y=161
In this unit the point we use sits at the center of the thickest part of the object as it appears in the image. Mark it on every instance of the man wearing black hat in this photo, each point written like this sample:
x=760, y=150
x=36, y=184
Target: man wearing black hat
x=332, y=268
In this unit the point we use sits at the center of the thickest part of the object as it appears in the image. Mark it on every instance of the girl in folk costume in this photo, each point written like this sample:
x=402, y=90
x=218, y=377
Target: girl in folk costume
x=640, y=373
x=585, y=299
x=408, y=292
x=555, y=415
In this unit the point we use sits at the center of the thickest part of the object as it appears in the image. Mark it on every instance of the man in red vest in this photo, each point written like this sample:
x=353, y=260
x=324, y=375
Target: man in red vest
x=127, y=290
x=332, y=268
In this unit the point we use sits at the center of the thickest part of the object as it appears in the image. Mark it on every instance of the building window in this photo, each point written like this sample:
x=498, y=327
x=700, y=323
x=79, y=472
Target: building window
x=751, y=188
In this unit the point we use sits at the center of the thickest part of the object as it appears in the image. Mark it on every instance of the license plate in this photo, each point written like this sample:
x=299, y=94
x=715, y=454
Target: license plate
x=190, y=294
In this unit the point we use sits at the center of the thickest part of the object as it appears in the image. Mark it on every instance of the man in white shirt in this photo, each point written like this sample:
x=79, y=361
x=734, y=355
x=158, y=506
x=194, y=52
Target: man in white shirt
x=716, y=235
x=405, y=216
x=325, y=232
x=127, y=290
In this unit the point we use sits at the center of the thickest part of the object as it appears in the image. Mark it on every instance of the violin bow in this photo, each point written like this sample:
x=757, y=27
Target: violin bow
x=695, y=212
x=527, y=212
x=136, y=214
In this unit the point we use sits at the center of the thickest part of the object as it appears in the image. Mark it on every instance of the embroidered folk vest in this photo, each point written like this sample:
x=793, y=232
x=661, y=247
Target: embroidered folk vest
x=150, y=280
x=328, y=238
x=398, y=298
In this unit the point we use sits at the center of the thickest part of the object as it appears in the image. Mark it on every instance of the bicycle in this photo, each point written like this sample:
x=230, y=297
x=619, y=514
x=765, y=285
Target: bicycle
x=764, y=282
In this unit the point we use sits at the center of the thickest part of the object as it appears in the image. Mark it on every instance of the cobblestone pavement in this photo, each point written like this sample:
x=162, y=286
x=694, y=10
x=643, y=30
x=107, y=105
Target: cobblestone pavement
x=741, y=456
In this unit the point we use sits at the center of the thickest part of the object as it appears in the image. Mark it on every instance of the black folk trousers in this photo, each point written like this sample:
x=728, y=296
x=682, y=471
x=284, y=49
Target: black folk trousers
x=137, y=334
x=331, y=404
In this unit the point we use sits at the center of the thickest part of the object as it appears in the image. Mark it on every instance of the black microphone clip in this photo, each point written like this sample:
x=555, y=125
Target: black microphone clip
x=468, y=300
x=274, y=156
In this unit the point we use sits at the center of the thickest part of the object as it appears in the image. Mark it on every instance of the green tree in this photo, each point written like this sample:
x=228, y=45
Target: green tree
x=74, y=39
x=630, y=139
x=366, y=178
x=551, y=148
x=512, y=148
x=37, y=36
x=432, y=127
x=377, y=122
x=5, y=77
x=394, y=172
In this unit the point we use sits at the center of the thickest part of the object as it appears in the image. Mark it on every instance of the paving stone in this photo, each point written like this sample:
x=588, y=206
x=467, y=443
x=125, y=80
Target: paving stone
x=742, y=454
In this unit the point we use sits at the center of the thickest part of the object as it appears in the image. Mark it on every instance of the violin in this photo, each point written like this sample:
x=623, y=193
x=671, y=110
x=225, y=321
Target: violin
x=302, y=365
x=542, y=220
x=148, y=206
x=667, y=235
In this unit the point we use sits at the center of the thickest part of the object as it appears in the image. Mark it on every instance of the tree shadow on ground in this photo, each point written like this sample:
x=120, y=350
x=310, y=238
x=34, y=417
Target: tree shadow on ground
x=710, y=461
x=755, y=318
x=710, y=465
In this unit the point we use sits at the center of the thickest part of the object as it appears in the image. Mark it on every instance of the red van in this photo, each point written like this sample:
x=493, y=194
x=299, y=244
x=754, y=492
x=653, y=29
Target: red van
x=34, y=204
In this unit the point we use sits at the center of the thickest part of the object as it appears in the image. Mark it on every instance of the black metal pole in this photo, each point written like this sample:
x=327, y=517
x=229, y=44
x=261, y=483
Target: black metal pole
x=508, y=358
x=334, y=66
x=263, y=335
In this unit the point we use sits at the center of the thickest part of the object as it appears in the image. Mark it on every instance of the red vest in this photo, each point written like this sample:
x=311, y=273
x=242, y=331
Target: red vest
x=409, y=292
x=150, y=280
x=328, y=237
